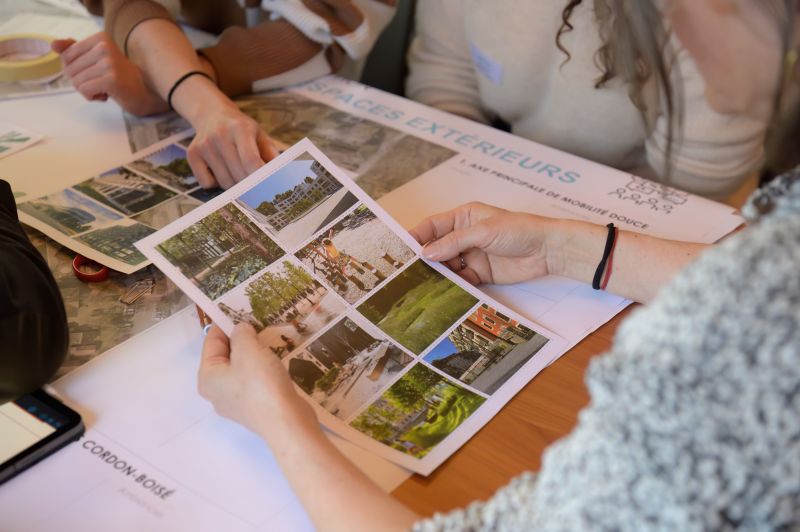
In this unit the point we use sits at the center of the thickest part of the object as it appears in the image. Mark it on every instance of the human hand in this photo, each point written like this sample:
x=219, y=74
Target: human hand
x=228, y=145
x=498, y=246
x=248, y=384
x=98, y=70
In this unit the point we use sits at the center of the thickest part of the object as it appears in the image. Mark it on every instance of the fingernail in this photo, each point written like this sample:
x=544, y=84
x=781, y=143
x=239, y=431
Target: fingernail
x=430, y=252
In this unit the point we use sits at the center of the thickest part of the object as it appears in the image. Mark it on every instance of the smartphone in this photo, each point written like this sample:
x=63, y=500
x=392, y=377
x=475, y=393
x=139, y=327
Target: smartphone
x=33, y=427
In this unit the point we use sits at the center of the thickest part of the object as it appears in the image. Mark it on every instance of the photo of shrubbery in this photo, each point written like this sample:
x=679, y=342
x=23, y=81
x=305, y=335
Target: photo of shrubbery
x=220, y=251
x=417, y=412
x=417, y=306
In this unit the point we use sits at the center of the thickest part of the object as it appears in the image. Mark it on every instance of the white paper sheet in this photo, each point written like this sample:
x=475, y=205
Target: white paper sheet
x=201, y=472
x=400, y=356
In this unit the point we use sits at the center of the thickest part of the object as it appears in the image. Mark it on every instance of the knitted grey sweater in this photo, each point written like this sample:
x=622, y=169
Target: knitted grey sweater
x=694, y=422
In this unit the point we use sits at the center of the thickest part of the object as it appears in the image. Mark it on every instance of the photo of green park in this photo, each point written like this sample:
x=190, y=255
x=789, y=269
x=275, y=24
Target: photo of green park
x=417, y=306
x=417, y=412
x=220, y=251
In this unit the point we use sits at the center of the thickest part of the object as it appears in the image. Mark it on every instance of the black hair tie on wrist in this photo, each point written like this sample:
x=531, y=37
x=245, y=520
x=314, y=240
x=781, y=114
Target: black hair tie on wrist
x=598, y=273
x=181, y=80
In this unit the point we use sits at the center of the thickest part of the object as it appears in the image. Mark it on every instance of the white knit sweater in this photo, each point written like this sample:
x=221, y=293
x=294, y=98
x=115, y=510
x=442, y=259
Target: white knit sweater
x=493, y=59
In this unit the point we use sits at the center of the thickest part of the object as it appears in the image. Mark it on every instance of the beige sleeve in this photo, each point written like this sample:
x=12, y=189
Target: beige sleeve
x=121, y=16
x=714, y=153
x=441, y=72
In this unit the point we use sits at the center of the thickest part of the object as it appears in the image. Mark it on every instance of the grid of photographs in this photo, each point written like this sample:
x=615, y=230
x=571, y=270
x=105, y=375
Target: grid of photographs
x=386, y=345
x=102, y=217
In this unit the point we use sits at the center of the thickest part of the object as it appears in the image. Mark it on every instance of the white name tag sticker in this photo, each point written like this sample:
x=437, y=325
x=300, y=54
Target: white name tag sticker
x=491, y=69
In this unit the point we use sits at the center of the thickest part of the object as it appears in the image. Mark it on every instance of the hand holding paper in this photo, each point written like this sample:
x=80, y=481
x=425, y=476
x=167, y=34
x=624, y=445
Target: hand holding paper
x=498, y=246
x=503, y=247
x=248, y=384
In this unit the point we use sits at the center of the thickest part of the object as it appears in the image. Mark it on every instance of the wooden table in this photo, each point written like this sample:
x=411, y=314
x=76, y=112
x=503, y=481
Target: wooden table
x=513, y=442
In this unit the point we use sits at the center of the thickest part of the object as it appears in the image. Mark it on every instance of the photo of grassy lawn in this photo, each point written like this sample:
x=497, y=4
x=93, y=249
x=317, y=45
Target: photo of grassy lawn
x=417, y=306
x=417, y=412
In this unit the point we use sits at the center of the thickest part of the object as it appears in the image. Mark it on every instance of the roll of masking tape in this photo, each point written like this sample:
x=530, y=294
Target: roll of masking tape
x=27, y=57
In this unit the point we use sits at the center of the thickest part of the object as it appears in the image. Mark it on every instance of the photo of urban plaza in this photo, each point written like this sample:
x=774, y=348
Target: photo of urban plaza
x=486, y=349
x=285, y=304
x=417, y=412
x=297, y=201
x=220, y=251
x=343, y=368
x=356, y=254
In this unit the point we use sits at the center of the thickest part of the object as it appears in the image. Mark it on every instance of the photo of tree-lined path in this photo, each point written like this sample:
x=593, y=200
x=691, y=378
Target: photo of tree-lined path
x=417, y=306
x=285, y=304
x=417, y=412
x=220, y=251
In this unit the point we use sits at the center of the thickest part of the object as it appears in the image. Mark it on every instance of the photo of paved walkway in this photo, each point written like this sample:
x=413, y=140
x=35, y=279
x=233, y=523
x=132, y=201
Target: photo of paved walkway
x=316, y=218
x=361, y=378
x=494, y=376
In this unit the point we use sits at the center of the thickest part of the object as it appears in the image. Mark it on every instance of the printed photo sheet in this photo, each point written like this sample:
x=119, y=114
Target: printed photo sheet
x=103, y=216
x=14, y=139
x=398, y=355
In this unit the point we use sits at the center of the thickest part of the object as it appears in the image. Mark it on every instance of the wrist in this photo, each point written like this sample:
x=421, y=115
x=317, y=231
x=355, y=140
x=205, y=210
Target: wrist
x=292, y=421
x=574, y=248
x=193, y=98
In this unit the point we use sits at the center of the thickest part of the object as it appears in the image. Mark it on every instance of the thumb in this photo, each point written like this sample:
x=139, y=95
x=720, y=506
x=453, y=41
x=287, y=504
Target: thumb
x=60, y=45
x=244, y=340
x=457, y=241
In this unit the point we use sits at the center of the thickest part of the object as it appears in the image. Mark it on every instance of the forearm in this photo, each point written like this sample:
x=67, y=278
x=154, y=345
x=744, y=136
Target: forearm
x=334, y=492
x=164, y=54
x=641, y=264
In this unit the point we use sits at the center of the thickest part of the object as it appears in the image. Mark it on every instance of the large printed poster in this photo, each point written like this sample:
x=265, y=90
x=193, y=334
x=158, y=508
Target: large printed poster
x=398, y=355
x=103, y=216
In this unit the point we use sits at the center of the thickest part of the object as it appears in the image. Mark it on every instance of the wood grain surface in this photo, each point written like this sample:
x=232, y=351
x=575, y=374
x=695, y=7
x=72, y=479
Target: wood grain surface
x=514, y=440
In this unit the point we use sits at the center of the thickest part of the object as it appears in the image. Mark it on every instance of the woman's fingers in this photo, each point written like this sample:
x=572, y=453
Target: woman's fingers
x=435, y=226
x=94, y=58
x=59, y=45
x=77, y=49
x=453, y=243
x=217, y=165
x=216, y=350
x=230, y=158
x=439, y=225
x=96, y=88
x=199, y=167
x=266, y=148
x=94, y=71
x=248, y=151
